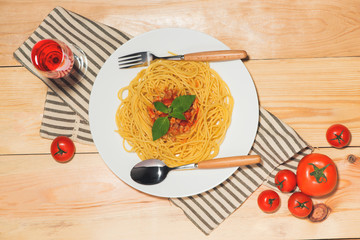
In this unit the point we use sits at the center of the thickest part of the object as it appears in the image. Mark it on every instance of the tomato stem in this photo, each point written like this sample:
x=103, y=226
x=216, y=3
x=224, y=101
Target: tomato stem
x=301, y=205
x=60, y=152
x=280, y=184
x=338, y=137
x=318, y=173
x=271, y=200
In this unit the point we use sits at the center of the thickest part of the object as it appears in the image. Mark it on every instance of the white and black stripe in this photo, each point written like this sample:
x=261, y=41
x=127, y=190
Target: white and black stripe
x=66, y=113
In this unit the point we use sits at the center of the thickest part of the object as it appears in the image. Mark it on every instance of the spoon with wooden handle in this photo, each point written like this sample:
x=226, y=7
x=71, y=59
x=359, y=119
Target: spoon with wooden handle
x=154, y=171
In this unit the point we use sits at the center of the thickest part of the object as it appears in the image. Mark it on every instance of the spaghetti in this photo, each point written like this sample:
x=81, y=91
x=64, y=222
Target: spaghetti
x=214, y=109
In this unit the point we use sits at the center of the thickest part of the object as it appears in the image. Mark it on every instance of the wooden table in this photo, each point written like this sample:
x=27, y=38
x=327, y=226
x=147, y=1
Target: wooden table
x=304, y=59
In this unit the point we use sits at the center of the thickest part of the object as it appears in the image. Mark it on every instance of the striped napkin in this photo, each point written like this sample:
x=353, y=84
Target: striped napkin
x=66, y=113
x=279, y=146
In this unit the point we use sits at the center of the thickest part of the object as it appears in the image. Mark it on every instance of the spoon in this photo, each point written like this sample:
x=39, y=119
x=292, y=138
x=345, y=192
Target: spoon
x=154, y=171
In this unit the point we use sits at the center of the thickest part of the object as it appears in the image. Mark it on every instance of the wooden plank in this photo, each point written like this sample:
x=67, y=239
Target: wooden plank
x=82, y=199
x=308, y=94
x=311, y=94
x=22, y=98
x=78, y=200
x=283, y=29
x=251, y=222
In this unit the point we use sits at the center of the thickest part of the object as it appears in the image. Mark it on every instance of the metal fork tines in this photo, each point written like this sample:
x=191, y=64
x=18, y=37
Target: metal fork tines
x=141, y=59
x=133, y=59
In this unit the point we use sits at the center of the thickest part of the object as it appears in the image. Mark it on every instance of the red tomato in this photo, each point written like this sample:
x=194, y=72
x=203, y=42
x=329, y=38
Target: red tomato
x=316, y=175
x=285, y=180
x=269, y=201
x=338, y=135
x=300, y=204
x=62, y=149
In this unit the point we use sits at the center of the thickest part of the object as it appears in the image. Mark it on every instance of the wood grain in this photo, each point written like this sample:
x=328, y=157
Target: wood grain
x=226, y=162
x=304, y=59
x=22, y=98
x=311, y=94
x=307, y=94
x=344, y=204
x=83, y=199
x=265, y=29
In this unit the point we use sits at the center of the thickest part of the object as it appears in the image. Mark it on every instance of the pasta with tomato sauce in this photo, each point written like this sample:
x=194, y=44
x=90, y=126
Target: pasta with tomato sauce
x=195, y=138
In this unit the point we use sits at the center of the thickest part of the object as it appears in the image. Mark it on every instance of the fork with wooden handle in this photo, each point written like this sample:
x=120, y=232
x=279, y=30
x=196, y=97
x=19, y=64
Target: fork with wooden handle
x=144, y=58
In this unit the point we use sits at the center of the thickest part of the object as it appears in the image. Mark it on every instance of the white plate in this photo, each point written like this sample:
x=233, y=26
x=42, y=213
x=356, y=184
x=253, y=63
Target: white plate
x=104, y=103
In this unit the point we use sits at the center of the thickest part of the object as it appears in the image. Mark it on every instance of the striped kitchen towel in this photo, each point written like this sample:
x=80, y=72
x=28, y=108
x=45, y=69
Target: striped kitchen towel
x=279, y=146
x=66, y=113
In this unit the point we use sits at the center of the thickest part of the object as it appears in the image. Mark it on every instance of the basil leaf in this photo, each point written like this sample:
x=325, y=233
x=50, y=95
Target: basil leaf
x=161, y=107
x=160, y=127
x=178, y=115
x=183, y=103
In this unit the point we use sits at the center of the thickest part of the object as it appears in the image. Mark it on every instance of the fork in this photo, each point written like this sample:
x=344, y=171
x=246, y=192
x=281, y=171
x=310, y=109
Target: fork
x=144, y=58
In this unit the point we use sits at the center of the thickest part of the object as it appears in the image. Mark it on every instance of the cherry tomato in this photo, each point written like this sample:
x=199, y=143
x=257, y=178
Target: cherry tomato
x=316, y=175
x=285, y=180
x=62, y=149
x=269, y=201
x=300, y=204
x=338, y=135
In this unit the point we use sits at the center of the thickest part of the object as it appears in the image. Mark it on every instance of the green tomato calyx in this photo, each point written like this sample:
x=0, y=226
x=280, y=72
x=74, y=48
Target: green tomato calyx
x=301, y=205
x=280, y=184
x=271, y=200
x=318, y=173
x=60, y=152
x=338, y=137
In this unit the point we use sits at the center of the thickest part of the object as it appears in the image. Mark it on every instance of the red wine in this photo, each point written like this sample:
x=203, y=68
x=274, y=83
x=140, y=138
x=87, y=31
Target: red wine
x=52, y=57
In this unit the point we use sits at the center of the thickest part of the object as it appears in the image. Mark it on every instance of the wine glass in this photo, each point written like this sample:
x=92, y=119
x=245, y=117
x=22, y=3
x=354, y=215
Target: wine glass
x=55, y=59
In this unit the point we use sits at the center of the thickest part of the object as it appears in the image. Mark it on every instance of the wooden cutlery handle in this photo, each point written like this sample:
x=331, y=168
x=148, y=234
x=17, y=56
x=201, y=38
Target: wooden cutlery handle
x=235, y=161
x=222, y=55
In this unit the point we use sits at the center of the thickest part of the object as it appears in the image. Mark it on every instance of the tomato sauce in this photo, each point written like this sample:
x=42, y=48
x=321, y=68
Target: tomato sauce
x=177, y=126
